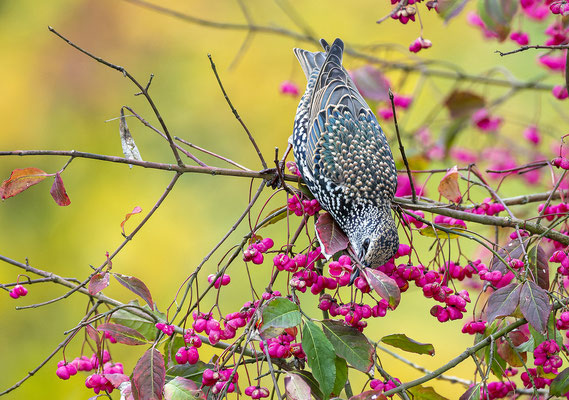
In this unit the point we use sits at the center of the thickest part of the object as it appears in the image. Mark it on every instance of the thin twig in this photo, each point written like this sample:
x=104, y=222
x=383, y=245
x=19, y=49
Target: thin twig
x=211, y=153
x=143, y=89
x=537, y=46
x=236, y=114
x=402, y=149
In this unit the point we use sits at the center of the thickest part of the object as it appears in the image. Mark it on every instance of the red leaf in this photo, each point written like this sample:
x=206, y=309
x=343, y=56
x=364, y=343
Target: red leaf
x=296, y=388
x=94, y=335
x=508, y=353
x=330, y=235
x=98, y=282
x=149, y=375
x=503, y=302
x=136, y=210
x=136, y=286
x=539, y=266
x=448, y=187
x=20, y=180
x=534, y=305
x=58, y=192
x=385, y=286
x=123, y=334
x=116, y=379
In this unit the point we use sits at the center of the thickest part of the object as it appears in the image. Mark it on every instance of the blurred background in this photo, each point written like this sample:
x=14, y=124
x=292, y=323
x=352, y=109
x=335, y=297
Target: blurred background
x=53, y=98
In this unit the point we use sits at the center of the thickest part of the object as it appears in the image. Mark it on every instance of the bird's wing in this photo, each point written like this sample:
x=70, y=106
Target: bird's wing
x=345, y=142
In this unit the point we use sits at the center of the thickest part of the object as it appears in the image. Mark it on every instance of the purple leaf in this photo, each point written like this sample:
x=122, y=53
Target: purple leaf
x=98, y=282
x=534, y=305
x=123, y=334
x=330, y=235
x=503, y=302
x=58, y=192
x=149, y=375
x=136, y=286
x=539, y=266
x=385, y=286
x=94, y=335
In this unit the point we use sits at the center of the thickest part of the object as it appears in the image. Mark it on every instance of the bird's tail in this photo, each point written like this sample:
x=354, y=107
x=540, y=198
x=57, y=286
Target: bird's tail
x=309, y=60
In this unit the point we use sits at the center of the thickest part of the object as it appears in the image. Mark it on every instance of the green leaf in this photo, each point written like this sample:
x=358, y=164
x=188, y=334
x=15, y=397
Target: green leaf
x=560, y=385
x=449, y=9
x=534, y=305
x=503, y=302
x=320, y=356
x=312, y=382
x=384, y=285
x=403, y=342
x=350, y=344
x=497, y=15
x=279, y=314
x=425, y=393
x=188, y=371
x=498, y=363
x=143, y=326
x=341, y=375
x=182, y=389
x=473, y=393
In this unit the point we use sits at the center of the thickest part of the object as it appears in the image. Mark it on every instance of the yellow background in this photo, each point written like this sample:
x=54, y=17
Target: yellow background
x=53, y=97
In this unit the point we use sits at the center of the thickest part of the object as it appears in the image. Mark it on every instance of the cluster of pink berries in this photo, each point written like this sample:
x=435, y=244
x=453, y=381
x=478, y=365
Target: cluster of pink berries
x=496, y=278
x=255, y=251
x=189, y=353
x=561, y=162
x=553, y=211
x=455, y=306
x=419, y=44
x=538, y=381
x=562, y=323
x=306, y=207
x=561, y=257
x=353, y=313
x=474, y=327
x=168, y=330
x=520, y=37
x=487, y=208
x=497, y=390
x=384, y=386
x=65, y=370
x=485, y=122
x=256, y=392
x=219, y=379
x=18, y=291
x=223, y=280
x=284, y=263
x=284, y=346
x=212, y=327
x=560, y=7
x=83, y=363
x=456, y=271
x=546, y=355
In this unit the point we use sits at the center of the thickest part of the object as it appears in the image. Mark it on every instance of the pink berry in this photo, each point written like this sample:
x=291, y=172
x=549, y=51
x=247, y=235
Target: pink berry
x=22, y=291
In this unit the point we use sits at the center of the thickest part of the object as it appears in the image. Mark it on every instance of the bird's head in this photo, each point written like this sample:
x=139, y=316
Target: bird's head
x=375, y=240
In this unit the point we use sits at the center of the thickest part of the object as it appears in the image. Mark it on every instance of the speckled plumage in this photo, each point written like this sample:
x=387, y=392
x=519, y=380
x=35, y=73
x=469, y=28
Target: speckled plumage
x=343, y=155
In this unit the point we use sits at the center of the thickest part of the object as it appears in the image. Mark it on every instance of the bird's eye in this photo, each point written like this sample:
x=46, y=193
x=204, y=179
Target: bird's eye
x=365, y=245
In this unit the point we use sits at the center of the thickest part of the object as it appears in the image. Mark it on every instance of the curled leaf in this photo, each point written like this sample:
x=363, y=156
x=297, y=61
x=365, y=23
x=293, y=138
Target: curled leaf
x=98, y=282
x=20, y=180
x=403, y=342
x=129, y=148
x=331, y=237
x=135, y=210
x=296, y=388
x=385, y=286
x=136, y=286
x=448, y=187
x=58, y=192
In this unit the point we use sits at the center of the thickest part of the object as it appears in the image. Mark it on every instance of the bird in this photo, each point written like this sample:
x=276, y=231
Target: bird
x=344, y=157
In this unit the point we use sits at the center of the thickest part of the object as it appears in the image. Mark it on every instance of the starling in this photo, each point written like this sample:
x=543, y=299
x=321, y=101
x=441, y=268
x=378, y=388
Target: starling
x=343, y=155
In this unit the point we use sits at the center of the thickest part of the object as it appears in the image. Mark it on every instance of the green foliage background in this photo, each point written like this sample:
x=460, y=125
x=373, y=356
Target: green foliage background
x=56, y=98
